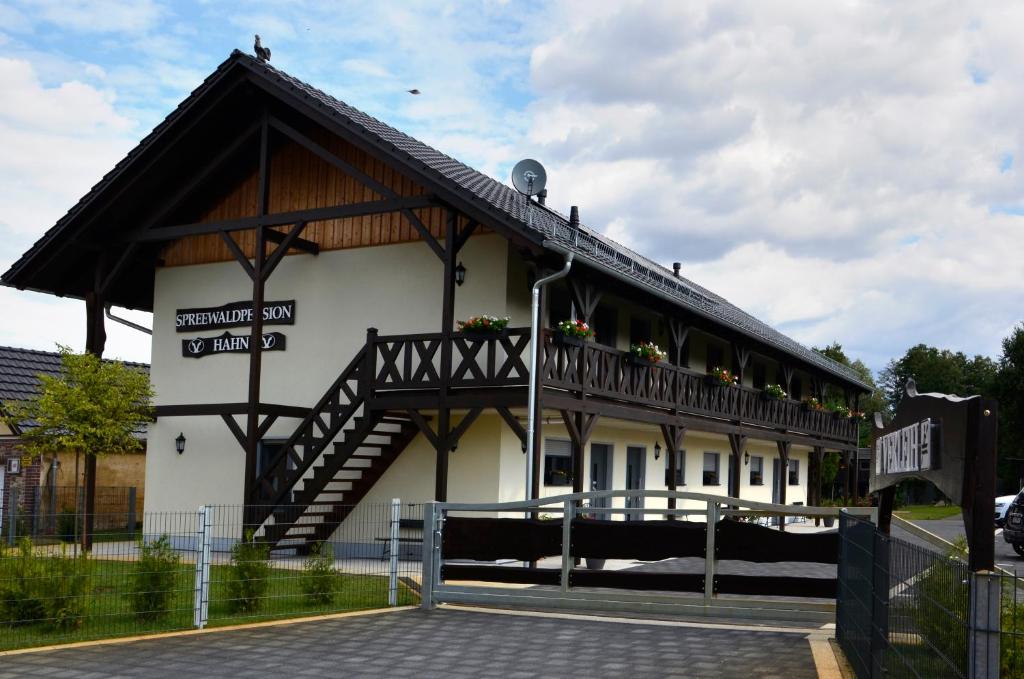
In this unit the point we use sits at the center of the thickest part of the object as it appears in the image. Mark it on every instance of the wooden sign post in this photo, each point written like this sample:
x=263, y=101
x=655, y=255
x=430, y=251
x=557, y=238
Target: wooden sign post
x=951, y=442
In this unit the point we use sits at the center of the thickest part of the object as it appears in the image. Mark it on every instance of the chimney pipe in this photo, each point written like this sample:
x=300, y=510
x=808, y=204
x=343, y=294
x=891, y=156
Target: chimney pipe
x=542, y=196
x=676, y=266
x=574, y=216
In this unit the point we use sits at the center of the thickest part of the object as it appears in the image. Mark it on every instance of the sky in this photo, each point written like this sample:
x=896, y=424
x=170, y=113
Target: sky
x=845, y=171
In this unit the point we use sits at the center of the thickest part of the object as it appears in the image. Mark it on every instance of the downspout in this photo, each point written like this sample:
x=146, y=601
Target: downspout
x=125, y=321
x=534, y=352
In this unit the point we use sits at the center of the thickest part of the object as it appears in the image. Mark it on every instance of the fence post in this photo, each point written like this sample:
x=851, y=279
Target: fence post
x=568, y=512
x=12, y=515
x=396, y=517
x=132, y=497
x=201, y=604
x=429, y=534
x=879, y=602
x=709, y=552
x=37, y=497
x=984, y=625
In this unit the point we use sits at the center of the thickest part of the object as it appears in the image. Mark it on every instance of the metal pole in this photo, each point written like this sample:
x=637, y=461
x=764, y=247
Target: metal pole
x=201, y=601
x=396, y=517
x=568, y=511
x=534, y=352
x=427, y=579
x=12, y=516
x=984, y=625
x=132, y=497
x=709, y=553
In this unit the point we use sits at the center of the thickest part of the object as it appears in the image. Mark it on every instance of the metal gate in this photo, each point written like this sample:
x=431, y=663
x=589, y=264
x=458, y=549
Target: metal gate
x=551, y=552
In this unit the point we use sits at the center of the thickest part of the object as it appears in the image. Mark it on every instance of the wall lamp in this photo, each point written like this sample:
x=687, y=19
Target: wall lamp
x=746, y=457
x=179, y=443
x=460, y=274
x=657, y=450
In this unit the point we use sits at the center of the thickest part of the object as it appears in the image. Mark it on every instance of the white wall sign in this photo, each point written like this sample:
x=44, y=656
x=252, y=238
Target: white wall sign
x=234, y=315
x=908, y=449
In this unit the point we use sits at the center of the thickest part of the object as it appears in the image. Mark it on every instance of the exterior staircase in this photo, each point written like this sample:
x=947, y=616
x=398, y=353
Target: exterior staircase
x=340, y=480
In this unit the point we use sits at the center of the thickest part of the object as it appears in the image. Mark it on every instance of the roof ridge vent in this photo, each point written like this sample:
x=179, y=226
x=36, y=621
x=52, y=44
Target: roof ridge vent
x=676, y=266
x=574, y=217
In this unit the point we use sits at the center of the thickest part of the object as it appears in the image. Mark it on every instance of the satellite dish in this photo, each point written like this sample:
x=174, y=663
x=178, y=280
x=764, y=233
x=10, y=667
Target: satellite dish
x=529, y=177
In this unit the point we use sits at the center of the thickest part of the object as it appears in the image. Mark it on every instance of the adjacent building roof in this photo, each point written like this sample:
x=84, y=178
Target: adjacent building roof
x=20, y=370
x=540, y=223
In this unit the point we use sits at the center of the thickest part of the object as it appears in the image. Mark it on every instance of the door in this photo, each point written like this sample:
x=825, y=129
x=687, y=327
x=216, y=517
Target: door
x=600, y=472
x=635, y=471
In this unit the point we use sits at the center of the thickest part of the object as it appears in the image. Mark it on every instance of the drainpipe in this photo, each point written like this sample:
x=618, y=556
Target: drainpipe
x=534, y=351
x=125, y=321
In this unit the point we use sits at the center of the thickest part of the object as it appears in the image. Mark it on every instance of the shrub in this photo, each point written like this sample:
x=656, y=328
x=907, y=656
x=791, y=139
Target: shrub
x=319, y=582
x=42, y=589
x=153, y=579
x=942, y=599
x=250, y=573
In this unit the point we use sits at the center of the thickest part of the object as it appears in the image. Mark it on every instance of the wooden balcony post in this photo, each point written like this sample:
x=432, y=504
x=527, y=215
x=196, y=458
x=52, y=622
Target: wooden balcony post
x=784, y=448
x=447, y=324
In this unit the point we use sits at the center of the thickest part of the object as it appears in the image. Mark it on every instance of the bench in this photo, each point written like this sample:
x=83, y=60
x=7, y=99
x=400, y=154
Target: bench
x=403, y=524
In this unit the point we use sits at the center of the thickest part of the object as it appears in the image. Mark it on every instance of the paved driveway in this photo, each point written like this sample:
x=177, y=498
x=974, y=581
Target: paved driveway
x=953, y=527
x=447, y=643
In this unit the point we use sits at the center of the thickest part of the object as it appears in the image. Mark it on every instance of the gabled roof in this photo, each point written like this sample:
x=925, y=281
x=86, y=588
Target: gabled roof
x=538, y=223
x=20, y=370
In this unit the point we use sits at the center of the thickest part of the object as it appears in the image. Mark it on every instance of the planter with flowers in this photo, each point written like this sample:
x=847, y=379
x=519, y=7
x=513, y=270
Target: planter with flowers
x=856, y=415
x=484, y=326
x=773, y=392
x=574, y=332
x=811, y=404
x=839, y=411
x=645, y=353
x=720, y=377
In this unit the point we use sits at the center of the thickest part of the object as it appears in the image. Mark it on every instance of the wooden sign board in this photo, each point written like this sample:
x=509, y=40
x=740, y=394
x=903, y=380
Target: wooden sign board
x=951, y=442
x=234, y=315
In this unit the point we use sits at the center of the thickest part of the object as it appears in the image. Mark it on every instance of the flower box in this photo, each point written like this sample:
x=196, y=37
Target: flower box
x=476, y=334
x=765, y=396
x=569, y=340
x=639, y=360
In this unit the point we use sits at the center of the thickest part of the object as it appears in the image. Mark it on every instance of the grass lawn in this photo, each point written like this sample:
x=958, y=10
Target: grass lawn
x=926, y=512
x=108, y=610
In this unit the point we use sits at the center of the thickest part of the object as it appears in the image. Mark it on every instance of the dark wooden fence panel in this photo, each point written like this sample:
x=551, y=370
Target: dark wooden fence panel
x=643, y=540
x=749, y=542
x=487, y=539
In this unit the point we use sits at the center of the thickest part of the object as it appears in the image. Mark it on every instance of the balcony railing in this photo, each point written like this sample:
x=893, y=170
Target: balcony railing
x=411, y=362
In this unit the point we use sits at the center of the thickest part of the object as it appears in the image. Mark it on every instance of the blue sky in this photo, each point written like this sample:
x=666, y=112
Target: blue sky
x=845, y=172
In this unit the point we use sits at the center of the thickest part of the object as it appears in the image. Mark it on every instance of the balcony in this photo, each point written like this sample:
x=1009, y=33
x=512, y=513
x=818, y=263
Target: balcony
x=497, y=365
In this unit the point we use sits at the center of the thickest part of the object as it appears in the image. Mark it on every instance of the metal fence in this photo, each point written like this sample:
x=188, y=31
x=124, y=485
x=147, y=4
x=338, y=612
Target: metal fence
x=907, y=610
x=181, y=570
x=55, y=512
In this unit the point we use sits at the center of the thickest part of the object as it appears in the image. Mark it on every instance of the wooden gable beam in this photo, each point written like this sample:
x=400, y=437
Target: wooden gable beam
x=585, y=296
x=297, y=243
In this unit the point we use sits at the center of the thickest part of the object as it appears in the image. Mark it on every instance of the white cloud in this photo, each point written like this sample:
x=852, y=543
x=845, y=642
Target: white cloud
x=97, y=16
x=833, y=168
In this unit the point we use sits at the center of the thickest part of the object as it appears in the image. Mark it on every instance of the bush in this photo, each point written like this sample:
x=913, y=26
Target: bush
x=36, y=589
x=319, y=582
x=942, y=604
x=153, y=580
x=250, y=573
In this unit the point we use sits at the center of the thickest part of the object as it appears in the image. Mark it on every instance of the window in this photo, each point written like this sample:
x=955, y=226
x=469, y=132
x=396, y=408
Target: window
x=680, y=468
x=606, y=325
x=715, y=356
x=266, y=451
x=559, y=306
x=711, y=469
x=794, y=472
x=796, y=388
x=756, y=470
x=760, y=376
x=557, y=463
x=639, y=330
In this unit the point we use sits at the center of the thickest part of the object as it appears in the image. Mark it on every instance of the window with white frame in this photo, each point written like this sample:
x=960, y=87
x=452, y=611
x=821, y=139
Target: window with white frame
x=680, y=468
x=756, y=470
x=794, y=472
x=711, y=467
x=557, y=462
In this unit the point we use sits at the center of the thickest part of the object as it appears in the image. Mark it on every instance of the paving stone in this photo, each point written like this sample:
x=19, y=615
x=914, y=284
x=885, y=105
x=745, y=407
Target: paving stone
x=446, y=643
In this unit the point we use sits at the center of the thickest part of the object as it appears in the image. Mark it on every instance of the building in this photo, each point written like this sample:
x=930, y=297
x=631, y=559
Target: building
x=37, y=480
x=371, y=246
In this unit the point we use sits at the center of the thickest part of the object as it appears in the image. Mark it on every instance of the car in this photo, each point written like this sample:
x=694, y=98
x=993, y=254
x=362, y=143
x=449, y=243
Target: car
x=1002, y=504
x=1013, y=529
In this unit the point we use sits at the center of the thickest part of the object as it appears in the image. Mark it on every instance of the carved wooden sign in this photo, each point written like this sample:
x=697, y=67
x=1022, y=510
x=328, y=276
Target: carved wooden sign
x=234, y=315
x=227, y=343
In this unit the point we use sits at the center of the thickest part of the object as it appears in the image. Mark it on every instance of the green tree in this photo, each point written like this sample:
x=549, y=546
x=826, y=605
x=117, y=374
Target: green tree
x=91, y=407
x=868, y=404
x=938, y=370
x=1009, y=390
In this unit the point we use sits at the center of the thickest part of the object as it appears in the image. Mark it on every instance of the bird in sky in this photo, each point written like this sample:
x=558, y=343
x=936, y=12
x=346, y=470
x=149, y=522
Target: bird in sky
x=262, y=53
x=413, y=91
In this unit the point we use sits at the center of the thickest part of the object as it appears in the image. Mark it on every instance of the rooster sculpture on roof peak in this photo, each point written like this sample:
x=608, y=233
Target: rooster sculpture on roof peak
x=262, y=53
